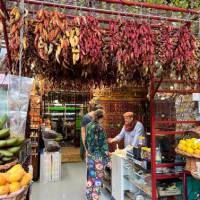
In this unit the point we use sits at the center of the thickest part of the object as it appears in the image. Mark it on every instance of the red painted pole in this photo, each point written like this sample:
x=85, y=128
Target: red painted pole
x=102, y=11
x=154, y=6
x=153, y=140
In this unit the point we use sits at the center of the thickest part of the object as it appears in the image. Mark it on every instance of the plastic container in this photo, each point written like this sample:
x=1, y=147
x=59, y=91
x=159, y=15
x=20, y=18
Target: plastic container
x=158, y=159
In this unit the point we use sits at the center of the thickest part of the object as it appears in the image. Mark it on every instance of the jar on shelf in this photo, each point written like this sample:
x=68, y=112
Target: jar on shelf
x=141, y=141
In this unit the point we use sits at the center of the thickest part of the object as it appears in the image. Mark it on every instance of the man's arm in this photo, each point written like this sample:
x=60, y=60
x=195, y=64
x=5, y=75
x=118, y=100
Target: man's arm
x=84, y=123
x=119, y=137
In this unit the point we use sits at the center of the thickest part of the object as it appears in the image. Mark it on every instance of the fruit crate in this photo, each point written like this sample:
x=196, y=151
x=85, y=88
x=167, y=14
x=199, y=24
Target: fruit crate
x=19, y=195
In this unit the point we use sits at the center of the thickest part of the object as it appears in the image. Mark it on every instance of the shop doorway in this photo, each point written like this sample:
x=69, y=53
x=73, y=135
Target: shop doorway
x=64, y=110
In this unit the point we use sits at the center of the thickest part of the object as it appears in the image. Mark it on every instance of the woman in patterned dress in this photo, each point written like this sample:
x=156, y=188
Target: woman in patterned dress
x=98, y=155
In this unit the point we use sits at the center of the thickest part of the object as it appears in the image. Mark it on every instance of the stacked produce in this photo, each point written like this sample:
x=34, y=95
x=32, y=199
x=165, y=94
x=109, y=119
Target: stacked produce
x=80, y=50
x=184, y=55
x=164, y=46
x=51, y=35
x=16, y=22
x=73, y=36
x=90, y=41
x=132, y=44
x=14, y=180
x=190, y=146
x=9, y=146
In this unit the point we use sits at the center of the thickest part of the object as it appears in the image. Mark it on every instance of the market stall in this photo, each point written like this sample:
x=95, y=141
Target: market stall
x=126, y=56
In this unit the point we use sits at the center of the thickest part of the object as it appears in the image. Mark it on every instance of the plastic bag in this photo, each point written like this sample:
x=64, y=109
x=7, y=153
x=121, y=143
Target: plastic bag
x=17, y=123
x=52, y=146
x=18, y=102
x=3, y=94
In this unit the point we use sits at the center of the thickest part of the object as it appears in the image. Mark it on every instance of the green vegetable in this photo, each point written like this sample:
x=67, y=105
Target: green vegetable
x=12, y=142
x=2, y=143
x=4, y=133
x=3, y=120
x=7, y=159
x=20, y=141
x=6, y=153
x=13, y=150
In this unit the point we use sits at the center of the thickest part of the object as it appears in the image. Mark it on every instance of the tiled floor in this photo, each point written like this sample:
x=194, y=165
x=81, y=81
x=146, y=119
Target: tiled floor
x=71, y=187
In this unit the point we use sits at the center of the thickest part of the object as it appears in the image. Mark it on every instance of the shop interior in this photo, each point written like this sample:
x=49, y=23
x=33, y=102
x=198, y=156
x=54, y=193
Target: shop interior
x=64, y=57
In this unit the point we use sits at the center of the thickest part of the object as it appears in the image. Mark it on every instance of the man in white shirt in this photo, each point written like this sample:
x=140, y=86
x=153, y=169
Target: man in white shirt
x=130, y=132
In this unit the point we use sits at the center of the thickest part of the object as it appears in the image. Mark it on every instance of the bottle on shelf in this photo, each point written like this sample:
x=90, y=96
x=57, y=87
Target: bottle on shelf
x=158, y=159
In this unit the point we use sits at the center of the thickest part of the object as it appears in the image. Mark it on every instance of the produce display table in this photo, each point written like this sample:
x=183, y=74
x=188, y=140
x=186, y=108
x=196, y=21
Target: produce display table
x=19, y=195
x=119, y=183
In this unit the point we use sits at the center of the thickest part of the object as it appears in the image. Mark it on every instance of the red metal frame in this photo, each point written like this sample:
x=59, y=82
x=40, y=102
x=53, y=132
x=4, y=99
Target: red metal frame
x=178, y=91
x=154, y=133
x=155, y=6
x=167, y=176
x=179, y=122
x=101, y=11
x=169, y=164
x=137, y=4
x=153, y=141
x=170, y=132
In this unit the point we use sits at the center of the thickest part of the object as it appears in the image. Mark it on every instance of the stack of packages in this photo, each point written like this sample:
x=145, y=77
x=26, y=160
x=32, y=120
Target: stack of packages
x=51, y=158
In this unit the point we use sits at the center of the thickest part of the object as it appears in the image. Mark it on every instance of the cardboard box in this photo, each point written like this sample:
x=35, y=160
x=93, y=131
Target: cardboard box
x=50, y=168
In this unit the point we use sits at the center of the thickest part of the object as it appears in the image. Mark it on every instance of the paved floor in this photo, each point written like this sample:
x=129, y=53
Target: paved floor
x=71, y=187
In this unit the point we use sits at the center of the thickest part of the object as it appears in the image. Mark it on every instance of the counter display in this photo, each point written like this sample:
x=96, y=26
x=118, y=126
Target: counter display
x=131, y=179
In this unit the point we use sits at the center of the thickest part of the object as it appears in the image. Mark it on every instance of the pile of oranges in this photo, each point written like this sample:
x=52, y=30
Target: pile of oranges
x=190, y=146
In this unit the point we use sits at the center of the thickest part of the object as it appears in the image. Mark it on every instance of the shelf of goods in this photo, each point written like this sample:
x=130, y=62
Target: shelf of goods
x=34, y=128
x=64, y=103
x=132, y=182
x=50, y=168
x=128, y=180
x=170, y=122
